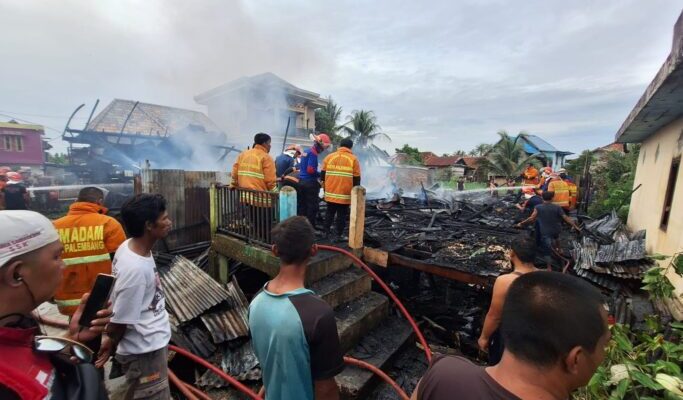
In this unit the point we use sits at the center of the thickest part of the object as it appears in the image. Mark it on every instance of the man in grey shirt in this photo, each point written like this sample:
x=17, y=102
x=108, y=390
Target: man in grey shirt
x=549, y=217
x=139, y=329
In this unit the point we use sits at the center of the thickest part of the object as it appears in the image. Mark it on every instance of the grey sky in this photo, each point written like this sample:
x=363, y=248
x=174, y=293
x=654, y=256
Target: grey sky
x=440, y=75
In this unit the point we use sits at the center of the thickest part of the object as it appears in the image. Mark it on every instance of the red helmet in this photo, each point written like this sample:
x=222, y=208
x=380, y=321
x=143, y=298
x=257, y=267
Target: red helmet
x=323, y=139
x=528, y=190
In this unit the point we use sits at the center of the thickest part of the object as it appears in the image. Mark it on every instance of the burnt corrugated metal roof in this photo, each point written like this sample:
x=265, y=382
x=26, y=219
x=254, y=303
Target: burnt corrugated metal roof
x=230, y=321
x=189, y=290
x=238, y=361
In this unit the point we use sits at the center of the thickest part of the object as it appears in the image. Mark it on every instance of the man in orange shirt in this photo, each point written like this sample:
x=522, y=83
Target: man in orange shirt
x=340, y=173
x=90, y=238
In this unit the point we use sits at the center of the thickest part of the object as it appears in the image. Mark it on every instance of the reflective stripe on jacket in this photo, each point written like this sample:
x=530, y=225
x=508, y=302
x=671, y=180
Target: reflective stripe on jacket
x=561, y=197
x=340, y=168
x=88, y=237
x=255, y=170
x=573, y=193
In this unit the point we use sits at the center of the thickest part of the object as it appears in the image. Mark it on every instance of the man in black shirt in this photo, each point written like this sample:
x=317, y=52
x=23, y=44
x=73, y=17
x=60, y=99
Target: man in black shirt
x=550, y=361
x=549, y=217
x=15, y=193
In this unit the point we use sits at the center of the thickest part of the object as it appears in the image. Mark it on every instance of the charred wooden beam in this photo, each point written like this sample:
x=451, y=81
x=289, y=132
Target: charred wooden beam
x=440, y=270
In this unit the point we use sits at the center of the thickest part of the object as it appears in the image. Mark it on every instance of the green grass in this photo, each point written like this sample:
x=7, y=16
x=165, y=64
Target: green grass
x=468, y=185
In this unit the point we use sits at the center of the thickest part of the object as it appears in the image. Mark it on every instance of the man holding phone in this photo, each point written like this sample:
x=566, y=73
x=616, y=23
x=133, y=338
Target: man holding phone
x=139, y=331
x=32, y=366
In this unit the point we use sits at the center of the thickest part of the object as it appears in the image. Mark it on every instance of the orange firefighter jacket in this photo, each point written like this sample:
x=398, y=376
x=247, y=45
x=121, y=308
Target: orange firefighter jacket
x=573, y=193
x=88, y=237
x=340, y=168
x=530, y=176
x=561, y=189
x=254, y=169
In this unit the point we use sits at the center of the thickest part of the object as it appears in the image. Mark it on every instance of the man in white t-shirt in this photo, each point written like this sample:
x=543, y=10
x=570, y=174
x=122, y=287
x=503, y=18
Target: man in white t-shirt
x=139, y=329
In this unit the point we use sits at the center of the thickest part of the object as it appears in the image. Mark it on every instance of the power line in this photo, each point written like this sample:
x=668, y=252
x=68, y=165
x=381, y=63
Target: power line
x=39, y=115
x=31, y=122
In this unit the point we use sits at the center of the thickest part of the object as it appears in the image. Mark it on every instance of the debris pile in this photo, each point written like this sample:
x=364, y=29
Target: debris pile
x=460, y=234
x=610, y=256
x=208, y=318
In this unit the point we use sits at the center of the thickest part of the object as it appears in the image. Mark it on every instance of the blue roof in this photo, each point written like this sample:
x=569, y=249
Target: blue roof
x=539, y=144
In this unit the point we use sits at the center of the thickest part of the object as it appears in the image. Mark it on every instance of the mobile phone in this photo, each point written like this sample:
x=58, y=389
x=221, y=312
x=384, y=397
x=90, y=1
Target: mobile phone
x=98, y=298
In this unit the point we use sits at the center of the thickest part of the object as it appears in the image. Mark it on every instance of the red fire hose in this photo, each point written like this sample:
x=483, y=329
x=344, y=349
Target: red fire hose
x=237, y=384
x=380, y=373
x=181, y=386
x=389, y=292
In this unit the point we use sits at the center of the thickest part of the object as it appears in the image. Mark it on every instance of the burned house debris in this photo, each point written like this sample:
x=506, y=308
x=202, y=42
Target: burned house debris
x=115, y=143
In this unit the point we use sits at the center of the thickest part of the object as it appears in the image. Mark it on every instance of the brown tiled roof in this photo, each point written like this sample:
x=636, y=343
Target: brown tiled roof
x=426, y=154
x=149, y=119
x=471, y=162
x=612, y=147
x=436, y=161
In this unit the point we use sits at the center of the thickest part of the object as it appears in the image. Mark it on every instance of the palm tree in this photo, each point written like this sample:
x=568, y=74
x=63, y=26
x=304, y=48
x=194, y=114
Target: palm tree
x=326, y=118
x=481, y=149
x=507, y=158
x=364, y=130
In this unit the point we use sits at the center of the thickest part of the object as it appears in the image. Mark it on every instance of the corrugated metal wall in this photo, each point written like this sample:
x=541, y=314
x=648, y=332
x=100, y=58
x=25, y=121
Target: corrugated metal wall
x=187, y=196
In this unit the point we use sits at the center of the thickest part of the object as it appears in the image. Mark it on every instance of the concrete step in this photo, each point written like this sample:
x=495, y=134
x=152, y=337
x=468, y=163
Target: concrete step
x=358, y=317
x=321, y=265
x=343, y=286
x=379, y=348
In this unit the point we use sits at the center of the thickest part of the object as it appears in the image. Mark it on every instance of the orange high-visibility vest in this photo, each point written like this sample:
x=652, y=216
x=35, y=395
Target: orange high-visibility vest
x=255, y=170
x=561, y=197
x=573, y=194
x=88, y=237
x=340, y=168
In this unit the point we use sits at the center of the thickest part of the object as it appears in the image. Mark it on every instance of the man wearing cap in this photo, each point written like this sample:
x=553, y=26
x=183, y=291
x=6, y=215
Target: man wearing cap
x=340, y=173
x=15, y=194
x=34, y=367
x=90, y=239
x=309, y=177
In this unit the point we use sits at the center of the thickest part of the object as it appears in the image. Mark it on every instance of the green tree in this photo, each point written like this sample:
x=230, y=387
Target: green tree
x=578, y=166
x=481, y=149
x=613, y=183
x=413, y=154
x=326, y=118
x=363, y=129
x=58, y=158
x=507, y=158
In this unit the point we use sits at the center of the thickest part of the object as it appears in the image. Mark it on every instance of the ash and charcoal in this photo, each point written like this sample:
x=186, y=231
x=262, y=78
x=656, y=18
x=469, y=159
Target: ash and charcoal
x=464, y=235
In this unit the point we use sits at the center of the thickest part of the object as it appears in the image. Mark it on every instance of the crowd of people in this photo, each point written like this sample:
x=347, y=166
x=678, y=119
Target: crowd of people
x=336, y=175
x=538, y=346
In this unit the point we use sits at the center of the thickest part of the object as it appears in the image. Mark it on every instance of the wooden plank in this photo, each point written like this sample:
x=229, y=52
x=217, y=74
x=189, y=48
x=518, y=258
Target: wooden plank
x=376, y=256
x=357, y=224
x=443, y=271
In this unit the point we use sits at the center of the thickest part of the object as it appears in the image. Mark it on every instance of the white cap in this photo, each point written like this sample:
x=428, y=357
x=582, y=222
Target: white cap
x=22, y=232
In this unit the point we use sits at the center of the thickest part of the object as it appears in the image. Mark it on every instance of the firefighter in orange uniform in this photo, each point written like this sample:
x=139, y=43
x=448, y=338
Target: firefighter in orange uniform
x=340, y=173
x=255, y=170
x=90, y=239
x=530, y=175
x=561, y=189
x=573, y=189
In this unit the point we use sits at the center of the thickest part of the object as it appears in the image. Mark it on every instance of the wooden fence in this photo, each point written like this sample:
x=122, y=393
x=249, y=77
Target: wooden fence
x=187, y=197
